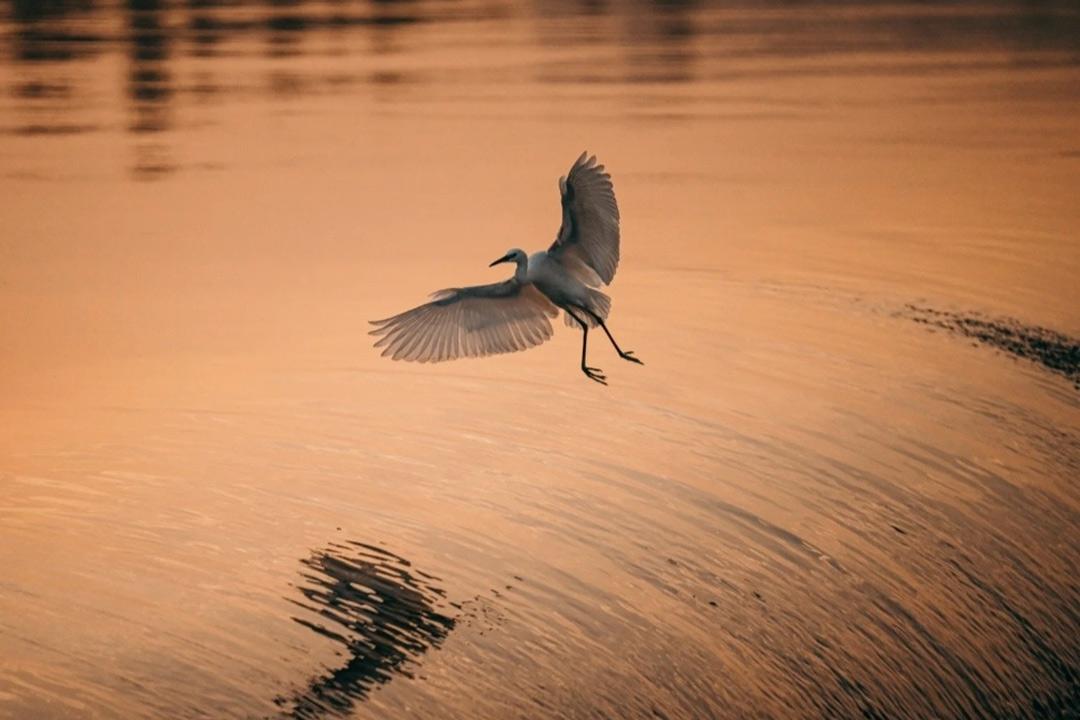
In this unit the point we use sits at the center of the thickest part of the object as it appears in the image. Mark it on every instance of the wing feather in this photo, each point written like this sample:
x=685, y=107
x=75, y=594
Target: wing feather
x=429, y=348
x=588, y=239
x=413, y=341
x=468, y=322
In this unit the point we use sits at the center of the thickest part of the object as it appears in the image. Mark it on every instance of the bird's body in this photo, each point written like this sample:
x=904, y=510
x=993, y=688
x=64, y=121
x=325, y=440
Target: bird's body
x=515, y=314
x=557, y=284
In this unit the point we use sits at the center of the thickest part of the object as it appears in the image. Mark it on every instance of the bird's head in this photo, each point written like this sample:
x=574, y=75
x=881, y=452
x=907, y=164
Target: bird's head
x=513, y=255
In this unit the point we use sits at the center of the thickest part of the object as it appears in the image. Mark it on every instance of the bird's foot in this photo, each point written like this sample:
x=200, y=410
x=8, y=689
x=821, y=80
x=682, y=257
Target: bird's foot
x=629, y=355
x=594, y=374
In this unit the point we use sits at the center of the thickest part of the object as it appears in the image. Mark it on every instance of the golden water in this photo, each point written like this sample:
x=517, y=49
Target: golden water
x=217, y=501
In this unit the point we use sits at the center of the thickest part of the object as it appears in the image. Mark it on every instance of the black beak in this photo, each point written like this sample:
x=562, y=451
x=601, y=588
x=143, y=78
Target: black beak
x=504, y=258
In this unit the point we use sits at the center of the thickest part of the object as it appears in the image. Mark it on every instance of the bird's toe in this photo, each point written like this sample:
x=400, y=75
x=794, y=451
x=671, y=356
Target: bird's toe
x=629, y=355
x=595, y=374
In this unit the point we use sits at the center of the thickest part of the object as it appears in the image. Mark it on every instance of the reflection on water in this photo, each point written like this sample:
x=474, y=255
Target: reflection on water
x=149, y=85
x=378, y=608
x=806, y=505
x=179, y=53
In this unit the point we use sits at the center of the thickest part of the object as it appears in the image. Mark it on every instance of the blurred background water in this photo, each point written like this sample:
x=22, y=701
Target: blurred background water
x=843, y=485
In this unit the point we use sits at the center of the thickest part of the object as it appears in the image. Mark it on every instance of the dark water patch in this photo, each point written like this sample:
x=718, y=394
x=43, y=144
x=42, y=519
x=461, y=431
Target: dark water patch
x=380, y=609
x=40, y=129
x=153, y=162
x=1055, y=351
x=39, y=89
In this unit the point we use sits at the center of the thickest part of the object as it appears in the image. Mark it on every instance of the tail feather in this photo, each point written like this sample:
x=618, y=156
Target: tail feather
x=598, y=303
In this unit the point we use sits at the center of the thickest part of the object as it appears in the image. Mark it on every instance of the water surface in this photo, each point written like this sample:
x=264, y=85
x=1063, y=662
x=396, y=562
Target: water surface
x=843, y=484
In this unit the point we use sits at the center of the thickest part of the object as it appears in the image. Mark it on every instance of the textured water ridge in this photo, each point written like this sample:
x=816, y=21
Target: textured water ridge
x=1053, y=350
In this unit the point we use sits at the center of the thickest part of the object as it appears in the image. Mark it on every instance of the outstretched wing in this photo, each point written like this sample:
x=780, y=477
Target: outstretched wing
x=468, y=322
x=589, y=234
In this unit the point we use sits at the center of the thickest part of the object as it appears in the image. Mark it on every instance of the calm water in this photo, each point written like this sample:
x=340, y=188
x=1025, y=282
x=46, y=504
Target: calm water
x=844, y=484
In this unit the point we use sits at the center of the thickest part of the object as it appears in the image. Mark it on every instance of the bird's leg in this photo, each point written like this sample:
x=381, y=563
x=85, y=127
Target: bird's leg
x=590, y=372
x=629, y=354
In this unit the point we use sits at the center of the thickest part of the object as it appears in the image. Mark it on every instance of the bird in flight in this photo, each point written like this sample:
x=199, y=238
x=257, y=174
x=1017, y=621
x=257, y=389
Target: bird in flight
x=516, y=314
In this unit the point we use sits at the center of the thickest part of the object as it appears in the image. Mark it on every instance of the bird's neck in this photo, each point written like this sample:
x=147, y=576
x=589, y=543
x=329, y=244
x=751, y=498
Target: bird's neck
x=522, y=269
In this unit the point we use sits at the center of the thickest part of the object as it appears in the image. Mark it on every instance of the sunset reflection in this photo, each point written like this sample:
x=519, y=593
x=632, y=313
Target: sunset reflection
x=842, y=485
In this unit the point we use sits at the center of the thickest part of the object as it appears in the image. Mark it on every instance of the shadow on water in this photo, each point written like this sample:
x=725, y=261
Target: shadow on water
x=1054, y=351
x=380, y=609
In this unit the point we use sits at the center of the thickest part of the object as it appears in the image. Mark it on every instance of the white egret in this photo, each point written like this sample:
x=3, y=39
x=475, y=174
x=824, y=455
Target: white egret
x=515, y=314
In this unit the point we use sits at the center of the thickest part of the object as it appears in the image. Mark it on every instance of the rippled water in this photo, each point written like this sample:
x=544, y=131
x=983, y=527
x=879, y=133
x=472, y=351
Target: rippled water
x=843, y=484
